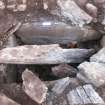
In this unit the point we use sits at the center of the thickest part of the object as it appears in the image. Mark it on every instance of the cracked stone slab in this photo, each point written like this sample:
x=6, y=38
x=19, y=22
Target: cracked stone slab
x=84, y=95
x=43, y=54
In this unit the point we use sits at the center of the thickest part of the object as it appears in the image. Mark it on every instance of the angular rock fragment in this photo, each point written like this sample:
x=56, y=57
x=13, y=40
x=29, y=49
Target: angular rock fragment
x=84, y=95
x=34, y=87
x=43, y=54
x=4, y=100
x=102, y=41
x=92, y=10
x=61, y=85
x=54, y=32
x=70, y=10
x=81, y=3
x=64, y=70
x=99, y=57
x=93, y=73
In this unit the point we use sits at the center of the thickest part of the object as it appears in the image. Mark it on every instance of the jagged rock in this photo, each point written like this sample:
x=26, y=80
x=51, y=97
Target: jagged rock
x=6, y=21
x=93, y=73
x=84, y=95
x=61, y=85
x=92, y=10
x=2, y=5
x=99, y=57
x=64, y=70
x=43, y=54
x=34, y=87
x=4, y=100
x=102, y=41
x=54, y=32
x=70, y=10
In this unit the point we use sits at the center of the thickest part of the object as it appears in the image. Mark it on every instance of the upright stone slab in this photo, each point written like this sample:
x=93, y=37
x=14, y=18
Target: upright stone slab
x=34, y=87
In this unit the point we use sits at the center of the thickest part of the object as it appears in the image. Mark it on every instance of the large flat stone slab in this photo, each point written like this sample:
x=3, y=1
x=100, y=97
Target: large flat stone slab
x=53, y=32
x=44, y=54
x=92, y=72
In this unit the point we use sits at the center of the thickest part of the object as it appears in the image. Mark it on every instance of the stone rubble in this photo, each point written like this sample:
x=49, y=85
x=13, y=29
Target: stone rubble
x=34, y=87
x=4, y=100
x=54, y=40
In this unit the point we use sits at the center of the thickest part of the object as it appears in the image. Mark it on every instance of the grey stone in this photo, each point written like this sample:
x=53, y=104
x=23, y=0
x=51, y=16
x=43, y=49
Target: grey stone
x=64, y=70
x=61, y=85
x=84, y=95
x=99, y=56
x=93, y=73
x=15, y=92
x=11, y=42
x=34, y=87
x=43, y=54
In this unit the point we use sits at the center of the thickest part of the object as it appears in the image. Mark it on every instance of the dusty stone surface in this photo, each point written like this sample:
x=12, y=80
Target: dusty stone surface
x=93, y=73
x=99, y=56
x=34, y=87
x=43, y=54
